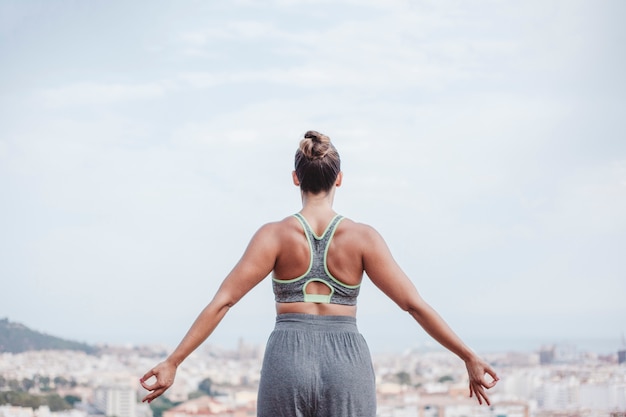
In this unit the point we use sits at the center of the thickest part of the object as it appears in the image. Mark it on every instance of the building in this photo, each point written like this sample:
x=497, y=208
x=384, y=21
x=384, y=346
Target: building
x=546, y=355
x=116, y=400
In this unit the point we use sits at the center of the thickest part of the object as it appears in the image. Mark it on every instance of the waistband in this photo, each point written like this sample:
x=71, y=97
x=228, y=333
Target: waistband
x=313, y=322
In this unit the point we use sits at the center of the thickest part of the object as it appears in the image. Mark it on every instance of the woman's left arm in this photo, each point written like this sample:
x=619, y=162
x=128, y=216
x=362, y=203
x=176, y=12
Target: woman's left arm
x=387, y=275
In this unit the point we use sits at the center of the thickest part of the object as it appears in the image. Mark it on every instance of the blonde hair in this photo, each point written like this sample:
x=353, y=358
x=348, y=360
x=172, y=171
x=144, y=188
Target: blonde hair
x=317, y=163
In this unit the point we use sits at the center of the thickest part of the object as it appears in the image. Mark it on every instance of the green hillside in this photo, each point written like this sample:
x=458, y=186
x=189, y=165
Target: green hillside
x=16, y=338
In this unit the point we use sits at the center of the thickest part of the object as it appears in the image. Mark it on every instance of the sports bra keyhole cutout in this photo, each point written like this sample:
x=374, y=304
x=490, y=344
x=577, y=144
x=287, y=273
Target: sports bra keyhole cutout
x=315, y=288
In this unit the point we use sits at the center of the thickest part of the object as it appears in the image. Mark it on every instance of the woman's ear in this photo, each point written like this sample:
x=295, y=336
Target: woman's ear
x=339, y=179
x=296, y=181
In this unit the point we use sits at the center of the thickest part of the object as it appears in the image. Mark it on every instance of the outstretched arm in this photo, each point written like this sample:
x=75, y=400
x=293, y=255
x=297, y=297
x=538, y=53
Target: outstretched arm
x=386, y=274
x=256, y=263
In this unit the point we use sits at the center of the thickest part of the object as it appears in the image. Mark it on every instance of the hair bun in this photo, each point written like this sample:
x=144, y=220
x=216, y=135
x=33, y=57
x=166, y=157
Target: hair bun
x=315, y=145
x=316, y=137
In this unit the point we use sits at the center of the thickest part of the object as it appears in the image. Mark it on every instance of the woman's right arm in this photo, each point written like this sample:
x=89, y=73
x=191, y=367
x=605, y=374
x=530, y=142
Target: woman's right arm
x=387, y=275
x=256, y=263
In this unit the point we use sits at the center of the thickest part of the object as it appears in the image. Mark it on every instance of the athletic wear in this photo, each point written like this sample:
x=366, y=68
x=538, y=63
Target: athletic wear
x=294, y=290
x=316, y=366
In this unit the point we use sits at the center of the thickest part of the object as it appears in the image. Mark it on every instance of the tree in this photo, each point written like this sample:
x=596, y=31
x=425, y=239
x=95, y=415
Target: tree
x=445, y=378
x=27, y=384
x=20, y=399
x=72, y=399
x=44, y=383
x=195, y=394
x=56, y=403
x=403, y=378
x=60, y=381
x=206, y=386
x=161, y=404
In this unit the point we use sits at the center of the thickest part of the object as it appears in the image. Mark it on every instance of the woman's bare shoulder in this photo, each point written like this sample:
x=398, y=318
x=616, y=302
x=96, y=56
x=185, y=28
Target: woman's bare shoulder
x=272, y=235
x=278, y=227
x=360, y=230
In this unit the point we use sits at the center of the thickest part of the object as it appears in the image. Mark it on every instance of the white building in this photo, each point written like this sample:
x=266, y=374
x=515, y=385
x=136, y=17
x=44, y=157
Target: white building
x=116, y=401
x=559, y=395
x=608, y=395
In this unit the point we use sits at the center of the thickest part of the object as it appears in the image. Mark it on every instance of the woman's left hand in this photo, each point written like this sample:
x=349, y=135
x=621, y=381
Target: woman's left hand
x=164, y=374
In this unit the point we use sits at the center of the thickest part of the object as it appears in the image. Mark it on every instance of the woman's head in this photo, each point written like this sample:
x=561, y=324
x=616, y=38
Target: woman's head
x=317, y=163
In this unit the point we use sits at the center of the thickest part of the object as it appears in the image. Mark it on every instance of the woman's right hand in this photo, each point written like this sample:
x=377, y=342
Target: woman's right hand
x=476, y=371
x=164, y=373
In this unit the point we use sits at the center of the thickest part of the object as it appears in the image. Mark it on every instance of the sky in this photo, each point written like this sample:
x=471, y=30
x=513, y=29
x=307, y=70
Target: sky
x=143, y=143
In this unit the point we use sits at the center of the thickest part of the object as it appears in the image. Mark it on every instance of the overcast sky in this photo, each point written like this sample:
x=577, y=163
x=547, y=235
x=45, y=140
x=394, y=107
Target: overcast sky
x=143, y=143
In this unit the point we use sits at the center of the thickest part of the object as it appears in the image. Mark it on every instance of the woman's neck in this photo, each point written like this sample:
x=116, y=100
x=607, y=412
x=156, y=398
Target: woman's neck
x=318, y=204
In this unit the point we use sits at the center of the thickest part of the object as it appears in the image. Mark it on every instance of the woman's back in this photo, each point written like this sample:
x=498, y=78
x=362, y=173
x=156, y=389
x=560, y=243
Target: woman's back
x=344, y=259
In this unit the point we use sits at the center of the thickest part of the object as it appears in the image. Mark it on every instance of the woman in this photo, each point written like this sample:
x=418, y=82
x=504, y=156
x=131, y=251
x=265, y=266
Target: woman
x=316, y=362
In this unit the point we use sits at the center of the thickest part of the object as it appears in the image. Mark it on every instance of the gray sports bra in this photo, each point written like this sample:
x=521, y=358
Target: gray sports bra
x=294, y=290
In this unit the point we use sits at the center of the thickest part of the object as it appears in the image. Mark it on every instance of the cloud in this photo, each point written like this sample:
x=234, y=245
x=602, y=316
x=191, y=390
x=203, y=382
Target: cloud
x=385, y=50
x=94, y=93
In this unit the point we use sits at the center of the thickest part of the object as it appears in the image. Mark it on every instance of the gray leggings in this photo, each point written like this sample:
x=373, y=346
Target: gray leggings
x=316, y=366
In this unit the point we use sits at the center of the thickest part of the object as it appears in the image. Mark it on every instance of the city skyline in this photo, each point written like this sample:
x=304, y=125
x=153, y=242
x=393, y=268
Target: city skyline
x=546, y=384
x=143, y=144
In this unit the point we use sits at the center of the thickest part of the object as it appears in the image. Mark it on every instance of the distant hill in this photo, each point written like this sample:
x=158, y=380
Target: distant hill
x=16, y=338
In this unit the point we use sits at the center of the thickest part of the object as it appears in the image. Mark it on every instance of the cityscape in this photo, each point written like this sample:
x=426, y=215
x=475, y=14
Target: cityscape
x=551, y=381
x=143, y=143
